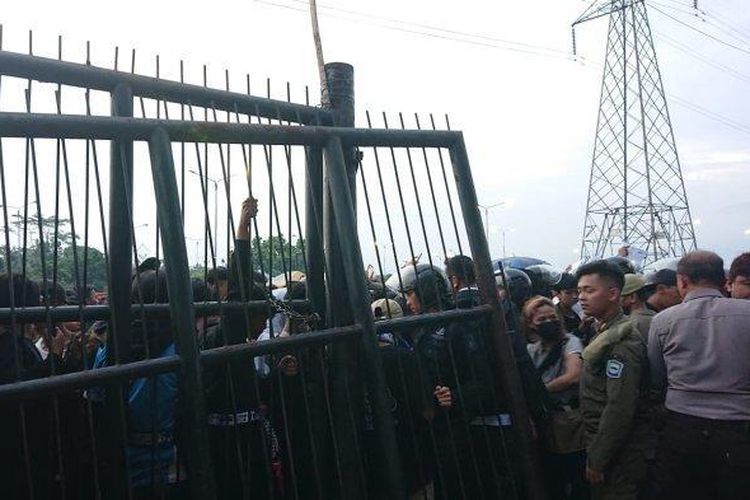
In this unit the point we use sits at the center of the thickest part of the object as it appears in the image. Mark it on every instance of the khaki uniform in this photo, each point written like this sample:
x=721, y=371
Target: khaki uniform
x=614, y=407
x=642, y=321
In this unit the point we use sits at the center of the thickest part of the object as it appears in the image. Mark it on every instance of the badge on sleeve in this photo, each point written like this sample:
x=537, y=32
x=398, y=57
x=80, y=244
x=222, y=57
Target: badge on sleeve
x=615, y=368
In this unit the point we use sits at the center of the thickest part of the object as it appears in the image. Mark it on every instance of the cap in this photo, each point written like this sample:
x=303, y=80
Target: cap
x=567, y=282
x=633, y=283
x=665, y=277
x=386, y=309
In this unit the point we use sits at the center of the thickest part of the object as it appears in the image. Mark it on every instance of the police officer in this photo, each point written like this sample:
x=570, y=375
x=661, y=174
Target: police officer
x=614, y=392
x=452, y=362
x=543, y=278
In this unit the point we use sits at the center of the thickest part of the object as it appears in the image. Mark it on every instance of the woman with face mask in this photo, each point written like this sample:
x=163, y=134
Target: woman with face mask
x=557, y=357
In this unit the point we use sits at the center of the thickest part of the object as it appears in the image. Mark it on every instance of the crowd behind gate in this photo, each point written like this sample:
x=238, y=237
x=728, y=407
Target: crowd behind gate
x=637, y=385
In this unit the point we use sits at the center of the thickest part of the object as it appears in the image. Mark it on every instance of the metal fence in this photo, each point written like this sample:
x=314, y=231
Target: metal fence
x=318, y=394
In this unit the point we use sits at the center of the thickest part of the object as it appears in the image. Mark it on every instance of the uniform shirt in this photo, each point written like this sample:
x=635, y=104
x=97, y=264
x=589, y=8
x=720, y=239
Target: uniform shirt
x=700, y=352
x=641, y=319
x=538, y=355
x=614, y=397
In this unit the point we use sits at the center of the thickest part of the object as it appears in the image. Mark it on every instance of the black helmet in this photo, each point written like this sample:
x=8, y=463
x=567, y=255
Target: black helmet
x=543, y=278
x=625, y=265
x=567, y=281
x=518, y=284
x=429, y=283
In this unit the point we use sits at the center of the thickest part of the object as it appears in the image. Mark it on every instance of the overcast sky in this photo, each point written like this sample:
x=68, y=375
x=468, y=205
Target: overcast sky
x=527, y=109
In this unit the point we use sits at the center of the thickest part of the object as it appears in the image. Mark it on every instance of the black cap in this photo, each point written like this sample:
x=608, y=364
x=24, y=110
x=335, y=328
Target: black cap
x=666, y=277
x=567, y=282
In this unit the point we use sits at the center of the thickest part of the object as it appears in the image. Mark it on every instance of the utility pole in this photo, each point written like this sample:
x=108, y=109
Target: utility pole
x=636, y=190
x=319, y=53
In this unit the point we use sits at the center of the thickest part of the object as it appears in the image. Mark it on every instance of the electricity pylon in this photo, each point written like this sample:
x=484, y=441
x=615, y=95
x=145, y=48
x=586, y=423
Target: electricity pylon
x=636, y=190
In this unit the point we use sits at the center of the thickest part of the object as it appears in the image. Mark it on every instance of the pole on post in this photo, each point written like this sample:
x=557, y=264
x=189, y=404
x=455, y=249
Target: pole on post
x=507, y=371
x=192, y=398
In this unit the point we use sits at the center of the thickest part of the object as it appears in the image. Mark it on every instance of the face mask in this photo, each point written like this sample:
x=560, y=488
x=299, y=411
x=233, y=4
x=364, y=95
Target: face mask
x=548, y=330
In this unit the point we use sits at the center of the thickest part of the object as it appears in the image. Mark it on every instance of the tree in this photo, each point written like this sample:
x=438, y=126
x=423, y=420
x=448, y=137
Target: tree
x=278, y=256
x=59, y=256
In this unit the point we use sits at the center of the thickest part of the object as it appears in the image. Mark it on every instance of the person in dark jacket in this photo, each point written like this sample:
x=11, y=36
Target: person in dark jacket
x=25, y=428
x=244, y=445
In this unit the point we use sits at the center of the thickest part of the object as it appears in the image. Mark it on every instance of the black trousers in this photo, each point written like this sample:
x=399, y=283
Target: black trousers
x=566, y=475
x=702, y=459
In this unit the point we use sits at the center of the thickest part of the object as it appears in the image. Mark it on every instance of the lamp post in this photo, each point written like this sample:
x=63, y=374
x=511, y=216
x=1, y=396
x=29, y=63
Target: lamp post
x=487, y=209
x=216, y=206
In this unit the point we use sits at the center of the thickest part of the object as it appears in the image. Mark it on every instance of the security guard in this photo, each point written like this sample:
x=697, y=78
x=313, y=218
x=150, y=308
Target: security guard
x=613, y=401
x=633, y=300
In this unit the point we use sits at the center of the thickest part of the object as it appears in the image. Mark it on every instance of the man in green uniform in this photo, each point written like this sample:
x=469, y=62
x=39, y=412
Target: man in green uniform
x=613, y=389
x=633, y=301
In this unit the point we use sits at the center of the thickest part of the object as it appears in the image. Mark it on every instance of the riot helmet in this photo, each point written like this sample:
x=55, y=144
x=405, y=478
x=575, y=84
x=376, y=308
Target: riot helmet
x=625, y=265
x=543, y=278
x=517, y=284
x=429, y=283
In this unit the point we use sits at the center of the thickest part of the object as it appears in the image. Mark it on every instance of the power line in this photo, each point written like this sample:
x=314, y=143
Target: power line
x=708, y=35
x=728, y=122
x=696, y=55
x=436, y=28
x=551, y=51
x=478, y=40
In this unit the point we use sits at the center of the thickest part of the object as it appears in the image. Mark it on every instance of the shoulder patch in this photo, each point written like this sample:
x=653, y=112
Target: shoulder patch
x=615, y=368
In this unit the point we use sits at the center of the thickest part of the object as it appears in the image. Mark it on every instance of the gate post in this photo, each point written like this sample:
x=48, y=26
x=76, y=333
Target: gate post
x=374, y=378
x=507, y=372
x=340, y=84
x=347, y=397
x=182, y=315
x=314, y=230
x=120, y=269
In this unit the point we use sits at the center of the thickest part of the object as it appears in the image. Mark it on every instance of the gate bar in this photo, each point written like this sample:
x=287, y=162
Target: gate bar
x=53, y=126
x=120, y=269
x=78, y=75
x=360, y=303
x=192, y=397
x=507, y=370
x=149, y=367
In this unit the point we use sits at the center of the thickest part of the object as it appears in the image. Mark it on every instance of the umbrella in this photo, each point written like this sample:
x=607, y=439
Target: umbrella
x=518, y=262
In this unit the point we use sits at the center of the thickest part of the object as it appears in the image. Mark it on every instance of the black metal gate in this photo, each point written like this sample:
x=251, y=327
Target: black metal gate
x=326, y=427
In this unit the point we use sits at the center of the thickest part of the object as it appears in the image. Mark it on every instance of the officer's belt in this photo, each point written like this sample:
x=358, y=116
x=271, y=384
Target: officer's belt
x=232, y=419
x=149, y=438
x=499, y=420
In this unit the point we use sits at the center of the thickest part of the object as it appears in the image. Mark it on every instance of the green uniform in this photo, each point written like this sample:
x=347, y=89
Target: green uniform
x=642, y=320
x=614, y=408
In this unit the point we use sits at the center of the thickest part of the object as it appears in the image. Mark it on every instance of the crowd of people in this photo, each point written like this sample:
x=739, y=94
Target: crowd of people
x=637, y=387
x=649, y=377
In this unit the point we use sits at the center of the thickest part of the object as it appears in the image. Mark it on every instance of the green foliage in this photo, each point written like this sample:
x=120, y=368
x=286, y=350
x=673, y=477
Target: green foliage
x=59, y=255
x=276, y=252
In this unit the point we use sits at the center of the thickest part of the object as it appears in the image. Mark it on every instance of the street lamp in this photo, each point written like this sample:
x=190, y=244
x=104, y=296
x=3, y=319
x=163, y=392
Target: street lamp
x=504, y=231
x=487, y=216
x=216, y=206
